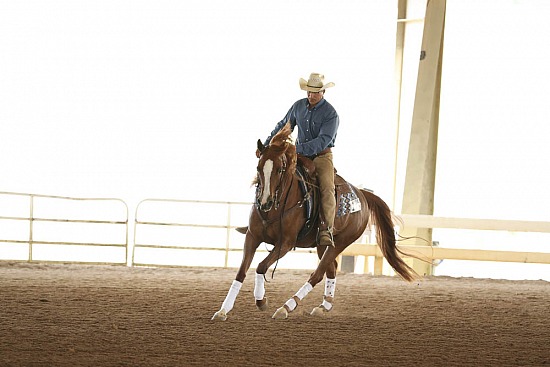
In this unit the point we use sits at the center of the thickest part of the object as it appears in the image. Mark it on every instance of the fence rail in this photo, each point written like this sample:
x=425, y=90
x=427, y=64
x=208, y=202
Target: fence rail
x=442, y=253
x=141, y=225
x=371, y=249
x=429, y=221
x=155, y=217
x=11, y=201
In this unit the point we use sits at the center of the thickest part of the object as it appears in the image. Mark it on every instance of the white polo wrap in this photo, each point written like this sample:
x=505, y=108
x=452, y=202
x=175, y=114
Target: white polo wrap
x=291, y=304
x=326, y=305
x=259, y=287
x=229, y=301
x=306, y=288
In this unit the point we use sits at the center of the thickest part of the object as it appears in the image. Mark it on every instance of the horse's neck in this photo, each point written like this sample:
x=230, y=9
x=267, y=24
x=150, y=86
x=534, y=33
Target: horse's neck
x=290, y=189
x=289, y=198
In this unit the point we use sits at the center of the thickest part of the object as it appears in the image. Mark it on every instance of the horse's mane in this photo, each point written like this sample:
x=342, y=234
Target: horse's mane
x=282, y=143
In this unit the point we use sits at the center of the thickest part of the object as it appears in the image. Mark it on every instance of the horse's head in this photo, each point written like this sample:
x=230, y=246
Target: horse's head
x=276, y=164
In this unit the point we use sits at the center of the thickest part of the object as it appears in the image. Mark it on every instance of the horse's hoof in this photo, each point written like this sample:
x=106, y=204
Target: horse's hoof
x=262, y=304
x=280, y=314
x=220, y=315
x=319, y=311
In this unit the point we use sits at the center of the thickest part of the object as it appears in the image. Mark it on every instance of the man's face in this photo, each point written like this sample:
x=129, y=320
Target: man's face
x=314, y=97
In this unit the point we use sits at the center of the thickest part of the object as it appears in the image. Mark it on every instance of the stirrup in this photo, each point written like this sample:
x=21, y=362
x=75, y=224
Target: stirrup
x=326, y=238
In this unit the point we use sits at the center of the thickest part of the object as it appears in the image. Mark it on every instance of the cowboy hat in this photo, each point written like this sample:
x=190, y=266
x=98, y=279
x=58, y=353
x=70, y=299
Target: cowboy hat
x=315, y=83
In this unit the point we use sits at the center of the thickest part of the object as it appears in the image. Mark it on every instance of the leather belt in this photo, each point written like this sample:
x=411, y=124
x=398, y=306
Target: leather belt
x=324, y=151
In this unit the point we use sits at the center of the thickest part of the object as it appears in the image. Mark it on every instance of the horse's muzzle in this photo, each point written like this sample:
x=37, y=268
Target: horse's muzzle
x=268, y=205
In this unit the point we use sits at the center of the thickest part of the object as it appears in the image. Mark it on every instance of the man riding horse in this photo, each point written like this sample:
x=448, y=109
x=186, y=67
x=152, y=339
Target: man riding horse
x=274, y=218
x=317, y=123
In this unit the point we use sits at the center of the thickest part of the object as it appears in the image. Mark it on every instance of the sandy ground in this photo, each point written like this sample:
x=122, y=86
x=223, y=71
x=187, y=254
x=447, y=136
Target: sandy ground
x=85, y=315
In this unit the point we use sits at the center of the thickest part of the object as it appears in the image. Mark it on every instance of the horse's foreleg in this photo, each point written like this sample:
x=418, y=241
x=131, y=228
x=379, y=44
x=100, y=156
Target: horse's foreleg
x=229, y=301
x=259, y=292
x=261, y=270
x=250, y=246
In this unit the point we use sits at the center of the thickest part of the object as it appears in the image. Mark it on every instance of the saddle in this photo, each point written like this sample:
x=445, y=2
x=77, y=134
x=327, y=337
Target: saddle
x=347, y=200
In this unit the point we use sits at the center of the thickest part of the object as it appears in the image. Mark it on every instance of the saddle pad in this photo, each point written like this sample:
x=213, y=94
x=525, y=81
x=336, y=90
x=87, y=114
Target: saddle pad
x=348, y=202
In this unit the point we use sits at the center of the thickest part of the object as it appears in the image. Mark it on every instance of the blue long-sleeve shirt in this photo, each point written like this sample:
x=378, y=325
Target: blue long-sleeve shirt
x=316, y=128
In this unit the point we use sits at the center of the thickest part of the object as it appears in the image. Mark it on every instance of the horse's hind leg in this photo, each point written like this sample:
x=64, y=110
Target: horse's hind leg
x=330, y=286
x=327, y=264
x=331, y=267
x=328, y=298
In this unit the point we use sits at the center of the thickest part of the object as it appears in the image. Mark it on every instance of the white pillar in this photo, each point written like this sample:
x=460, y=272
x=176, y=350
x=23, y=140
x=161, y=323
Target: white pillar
x=418, y=197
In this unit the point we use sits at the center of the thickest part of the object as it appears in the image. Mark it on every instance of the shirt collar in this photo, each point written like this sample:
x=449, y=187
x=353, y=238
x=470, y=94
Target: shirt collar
x=321, y=102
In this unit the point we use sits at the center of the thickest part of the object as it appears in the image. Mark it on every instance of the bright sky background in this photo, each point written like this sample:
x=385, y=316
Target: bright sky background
x=137, y=99
x=167, y=98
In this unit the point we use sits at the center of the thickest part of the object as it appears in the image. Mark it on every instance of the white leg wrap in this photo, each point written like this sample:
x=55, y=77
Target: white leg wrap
x=259, y=287
x=229, y=301
x=330, y=287
x=306, y=288
x=326, y=305
x=291, y=304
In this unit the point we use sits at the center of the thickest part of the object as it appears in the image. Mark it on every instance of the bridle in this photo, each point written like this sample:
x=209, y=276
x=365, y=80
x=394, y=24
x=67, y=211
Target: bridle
x=279, y=189
x=284, y=186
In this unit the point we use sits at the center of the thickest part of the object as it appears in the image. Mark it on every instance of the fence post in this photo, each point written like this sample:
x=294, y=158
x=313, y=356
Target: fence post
x=228, y=234
x=31, y=221
x=366, y=265
x=378, y=265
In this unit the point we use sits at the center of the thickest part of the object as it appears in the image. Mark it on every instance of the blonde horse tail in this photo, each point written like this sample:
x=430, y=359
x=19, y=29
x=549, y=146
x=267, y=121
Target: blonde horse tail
x=381, y=217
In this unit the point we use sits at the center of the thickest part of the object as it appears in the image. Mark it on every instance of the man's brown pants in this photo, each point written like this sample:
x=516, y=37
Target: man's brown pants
x=325, y=176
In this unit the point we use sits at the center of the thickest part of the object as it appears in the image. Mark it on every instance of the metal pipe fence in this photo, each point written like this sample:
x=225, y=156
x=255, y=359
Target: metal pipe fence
x=169, y=232
x=59, y=225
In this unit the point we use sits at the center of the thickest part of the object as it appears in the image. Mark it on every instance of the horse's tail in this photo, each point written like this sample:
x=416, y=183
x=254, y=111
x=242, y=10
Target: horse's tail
x=385, y=235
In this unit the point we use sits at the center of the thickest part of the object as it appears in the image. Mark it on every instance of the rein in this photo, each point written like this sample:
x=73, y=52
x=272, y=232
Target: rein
x=279, y=193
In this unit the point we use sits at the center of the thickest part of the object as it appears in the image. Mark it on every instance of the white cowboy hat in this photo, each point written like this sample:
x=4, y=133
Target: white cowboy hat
x=315, y=83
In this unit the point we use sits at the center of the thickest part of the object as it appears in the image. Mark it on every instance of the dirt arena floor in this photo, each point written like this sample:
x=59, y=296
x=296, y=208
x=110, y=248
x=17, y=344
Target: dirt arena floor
x=86, y=315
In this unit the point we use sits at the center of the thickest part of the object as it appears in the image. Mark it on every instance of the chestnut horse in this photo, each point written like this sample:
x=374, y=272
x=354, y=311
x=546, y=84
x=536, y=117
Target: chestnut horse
x=277, y=217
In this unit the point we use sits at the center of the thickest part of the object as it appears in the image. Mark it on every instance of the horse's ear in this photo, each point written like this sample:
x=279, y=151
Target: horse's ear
x=260, y=148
